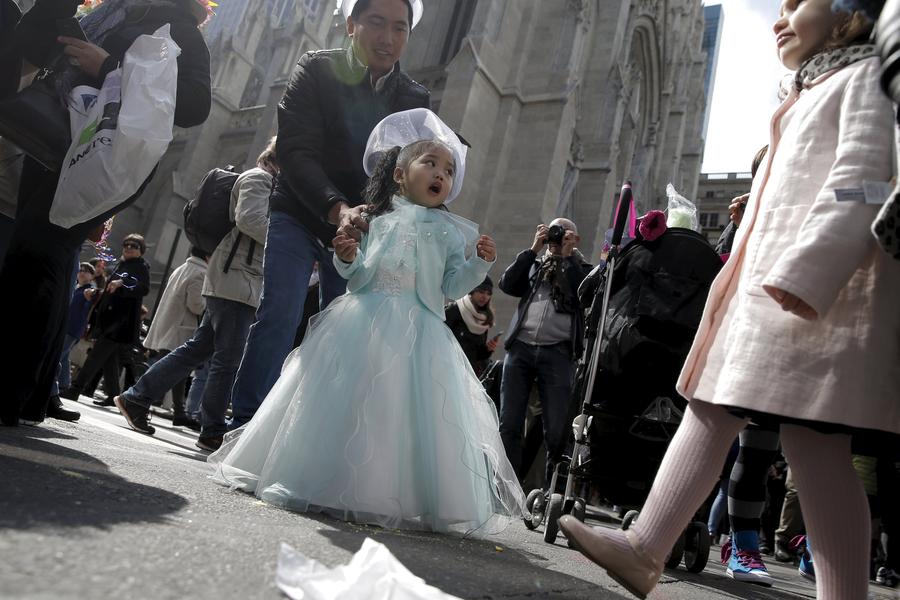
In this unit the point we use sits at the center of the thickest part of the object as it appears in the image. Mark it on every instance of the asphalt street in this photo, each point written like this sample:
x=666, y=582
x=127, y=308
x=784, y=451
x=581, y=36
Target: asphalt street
x=95, y=510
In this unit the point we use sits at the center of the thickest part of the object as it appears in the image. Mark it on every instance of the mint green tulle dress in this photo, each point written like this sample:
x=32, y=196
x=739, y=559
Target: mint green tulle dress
x=378, y=417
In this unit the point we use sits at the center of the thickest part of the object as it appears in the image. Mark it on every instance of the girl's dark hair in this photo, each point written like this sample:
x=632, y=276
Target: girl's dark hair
x=381, y=186
x=362, y=5
x=488, y=312
x=757, y=160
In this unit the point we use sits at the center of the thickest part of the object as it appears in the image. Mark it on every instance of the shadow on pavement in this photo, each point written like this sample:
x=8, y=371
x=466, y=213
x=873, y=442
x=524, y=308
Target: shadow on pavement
x=467, y=568
x=748, y=591
x=45, y=484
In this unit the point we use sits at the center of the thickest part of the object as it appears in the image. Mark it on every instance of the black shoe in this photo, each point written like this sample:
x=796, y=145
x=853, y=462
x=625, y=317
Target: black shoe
x=56, y=410
x=783, y=553
x=104, y=402
x=185, y=421
x=69, y=394
x=210, y=444
x=138, y=416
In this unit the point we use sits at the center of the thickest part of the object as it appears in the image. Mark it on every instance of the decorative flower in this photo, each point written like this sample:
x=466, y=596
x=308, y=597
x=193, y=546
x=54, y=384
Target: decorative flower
x=87, y=7
x=104, y=252
x=207, y=5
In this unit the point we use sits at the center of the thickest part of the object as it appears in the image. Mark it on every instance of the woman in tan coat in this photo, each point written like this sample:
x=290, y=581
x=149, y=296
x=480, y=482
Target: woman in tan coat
x=801, y=328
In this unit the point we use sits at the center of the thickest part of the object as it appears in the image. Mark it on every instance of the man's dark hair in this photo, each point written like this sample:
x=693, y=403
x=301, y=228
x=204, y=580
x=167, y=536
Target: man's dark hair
x=198, y=252
x=362, y=5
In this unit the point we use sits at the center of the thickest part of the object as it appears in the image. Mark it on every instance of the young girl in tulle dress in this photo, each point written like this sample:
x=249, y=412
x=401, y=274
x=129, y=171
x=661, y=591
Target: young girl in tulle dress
x=377, y=417
x=801, y=330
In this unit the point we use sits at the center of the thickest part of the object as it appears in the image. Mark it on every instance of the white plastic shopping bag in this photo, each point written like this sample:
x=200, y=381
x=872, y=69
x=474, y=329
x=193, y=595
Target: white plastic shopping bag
x=372, y=574
x=119, y=132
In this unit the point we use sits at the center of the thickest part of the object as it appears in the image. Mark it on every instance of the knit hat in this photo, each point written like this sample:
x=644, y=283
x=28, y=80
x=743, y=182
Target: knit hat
x=485, y=286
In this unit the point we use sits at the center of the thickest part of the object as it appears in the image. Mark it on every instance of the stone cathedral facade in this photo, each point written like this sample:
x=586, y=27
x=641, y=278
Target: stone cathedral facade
x=561, y=100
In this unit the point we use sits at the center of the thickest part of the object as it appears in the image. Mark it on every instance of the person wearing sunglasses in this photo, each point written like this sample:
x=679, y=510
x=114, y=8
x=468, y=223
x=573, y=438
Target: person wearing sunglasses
x=116, y=321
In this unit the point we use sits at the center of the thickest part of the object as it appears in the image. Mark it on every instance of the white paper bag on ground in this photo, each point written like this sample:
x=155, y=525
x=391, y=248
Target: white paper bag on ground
x=119, y=137
x=372, y=574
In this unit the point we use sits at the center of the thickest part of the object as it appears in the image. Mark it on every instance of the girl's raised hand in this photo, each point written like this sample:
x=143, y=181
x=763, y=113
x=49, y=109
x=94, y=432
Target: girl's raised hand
x=486, y=248
x=345, y=247
x=792, y=303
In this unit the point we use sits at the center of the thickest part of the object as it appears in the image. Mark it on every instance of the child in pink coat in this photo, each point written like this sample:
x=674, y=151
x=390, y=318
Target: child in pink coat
x=800, y=330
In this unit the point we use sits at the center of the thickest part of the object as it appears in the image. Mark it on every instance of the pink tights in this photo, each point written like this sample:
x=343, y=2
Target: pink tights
x=831, y=495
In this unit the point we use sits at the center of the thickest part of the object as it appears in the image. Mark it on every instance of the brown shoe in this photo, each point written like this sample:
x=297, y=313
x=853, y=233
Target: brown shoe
x=634, y=570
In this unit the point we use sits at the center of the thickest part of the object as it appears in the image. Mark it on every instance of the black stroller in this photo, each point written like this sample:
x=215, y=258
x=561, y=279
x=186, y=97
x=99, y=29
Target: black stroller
x=645, y=306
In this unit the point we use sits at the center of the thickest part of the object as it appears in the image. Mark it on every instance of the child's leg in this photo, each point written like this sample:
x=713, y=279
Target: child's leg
x=834, y=507
x=689, y=470
x=747, y=487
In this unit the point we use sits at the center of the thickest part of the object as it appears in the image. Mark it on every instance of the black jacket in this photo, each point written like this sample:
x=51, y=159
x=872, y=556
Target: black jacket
x=324, y=121
x=118, y=315
x=473, y=345
x=36, y=39
x=520, y=280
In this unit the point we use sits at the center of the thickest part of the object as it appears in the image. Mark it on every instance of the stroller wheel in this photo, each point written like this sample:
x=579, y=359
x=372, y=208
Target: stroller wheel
x=554, y=512
x=696, y=547
x=676, y=554
x=534, y=509
x=578, y=511
x=629, y=518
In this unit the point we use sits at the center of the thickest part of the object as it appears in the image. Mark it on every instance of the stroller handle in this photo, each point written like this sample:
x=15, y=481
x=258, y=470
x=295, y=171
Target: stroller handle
x=625, y=198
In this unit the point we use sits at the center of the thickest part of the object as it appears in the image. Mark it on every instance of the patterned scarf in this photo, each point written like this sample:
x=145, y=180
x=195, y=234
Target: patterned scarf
x=829, y=60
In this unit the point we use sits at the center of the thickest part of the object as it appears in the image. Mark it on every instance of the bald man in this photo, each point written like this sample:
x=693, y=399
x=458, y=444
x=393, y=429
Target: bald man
x=545, y=338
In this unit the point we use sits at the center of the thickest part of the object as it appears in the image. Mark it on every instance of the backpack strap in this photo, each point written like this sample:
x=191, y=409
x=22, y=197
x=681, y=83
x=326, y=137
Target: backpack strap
x=234, y=247
x=252, y=249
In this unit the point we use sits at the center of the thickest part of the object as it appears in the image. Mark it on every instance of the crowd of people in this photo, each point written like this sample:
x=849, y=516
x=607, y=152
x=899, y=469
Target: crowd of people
x=378, y=415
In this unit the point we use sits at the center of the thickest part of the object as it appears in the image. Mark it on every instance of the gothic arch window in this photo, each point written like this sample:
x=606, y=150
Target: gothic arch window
x=460, y=23
x=254, y=85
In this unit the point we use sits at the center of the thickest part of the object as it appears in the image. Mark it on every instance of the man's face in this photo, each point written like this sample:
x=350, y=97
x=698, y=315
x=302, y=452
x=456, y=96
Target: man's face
x=380, y=34
x=570, y=228
x=131, y=249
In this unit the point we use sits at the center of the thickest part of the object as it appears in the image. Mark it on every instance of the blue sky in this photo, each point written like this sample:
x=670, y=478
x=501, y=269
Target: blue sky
x=746, y=89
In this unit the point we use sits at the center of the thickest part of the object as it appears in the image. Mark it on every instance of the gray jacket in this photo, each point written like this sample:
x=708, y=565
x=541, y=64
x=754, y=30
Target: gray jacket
x=250, y=213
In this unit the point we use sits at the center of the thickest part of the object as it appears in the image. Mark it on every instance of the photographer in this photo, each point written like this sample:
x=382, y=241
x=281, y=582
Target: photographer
x=544, y=340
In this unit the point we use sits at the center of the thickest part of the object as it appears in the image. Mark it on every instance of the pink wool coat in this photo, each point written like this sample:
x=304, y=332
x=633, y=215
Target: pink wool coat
x=843, y=368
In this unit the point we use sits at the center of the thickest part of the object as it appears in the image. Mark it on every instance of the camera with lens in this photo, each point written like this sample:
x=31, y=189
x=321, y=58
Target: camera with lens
x=556, y=235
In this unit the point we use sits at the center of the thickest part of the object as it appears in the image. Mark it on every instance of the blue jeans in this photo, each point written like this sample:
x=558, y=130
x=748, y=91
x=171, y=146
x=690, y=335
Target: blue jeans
x=291, y=251
x=220, y=340
x=553, y=368
x=64, y=374
x=195, y=395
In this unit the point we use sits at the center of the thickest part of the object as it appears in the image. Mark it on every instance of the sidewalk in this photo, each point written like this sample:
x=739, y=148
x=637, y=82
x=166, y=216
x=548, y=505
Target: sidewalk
x=95, y=510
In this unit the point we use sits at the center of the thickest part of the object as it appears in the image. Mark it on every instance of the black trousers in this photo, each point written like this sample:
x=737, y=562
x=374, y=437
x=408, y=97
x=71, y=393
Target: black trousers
x=104, y=357
x=36, y=280
x=36, y=283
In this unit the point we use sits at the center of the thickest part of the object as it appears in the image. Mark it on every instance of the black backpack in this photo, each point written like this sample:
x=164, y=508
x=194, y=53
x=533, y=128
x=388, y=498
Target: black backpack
x=207, y=218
